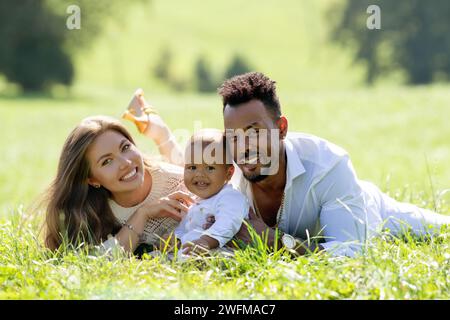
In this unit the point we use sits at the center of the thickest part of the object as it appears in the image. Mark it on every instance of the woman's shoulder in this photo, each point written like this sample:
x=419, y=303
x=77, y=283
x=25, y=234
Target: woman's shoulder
x=168, y=168
x=167, y=178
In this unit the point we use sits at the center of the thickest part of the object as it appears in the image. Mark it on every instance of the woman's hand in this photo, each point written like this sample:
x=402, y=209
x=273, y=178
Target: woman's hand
x=175, y=206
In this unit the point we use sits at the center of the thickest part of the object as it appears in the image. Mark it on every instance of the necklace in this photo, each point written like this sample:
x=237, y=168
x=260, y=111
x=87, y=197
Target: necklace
x=280, y=210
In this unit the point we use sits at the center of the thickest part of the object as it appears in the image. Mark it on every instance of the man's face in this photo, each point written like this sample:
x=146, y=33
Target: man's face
x=252, y=116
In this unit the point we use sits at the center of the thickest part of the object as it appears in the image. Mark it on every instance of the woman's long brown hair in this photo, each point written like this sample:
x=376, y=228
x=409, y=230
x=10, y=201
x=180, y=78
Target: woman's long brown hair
x=76, y=211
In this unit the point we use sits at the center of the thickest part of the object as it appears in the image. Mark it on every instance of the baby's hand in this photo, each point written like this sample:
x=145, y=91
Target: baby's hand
x=195, y=247
x=200, y=246
x=209, y=222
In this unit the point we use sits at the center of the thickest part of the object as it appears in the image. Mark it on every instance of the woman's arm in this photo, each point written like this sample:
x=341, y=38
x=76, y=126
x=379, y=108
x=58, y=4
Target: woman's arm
x=129, y=235
x=171, y=206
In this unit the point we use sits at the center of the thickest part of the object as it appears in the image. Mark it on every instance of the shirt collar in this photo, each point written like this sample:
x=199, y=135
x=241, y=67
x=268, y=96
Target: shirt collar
x=294, y=165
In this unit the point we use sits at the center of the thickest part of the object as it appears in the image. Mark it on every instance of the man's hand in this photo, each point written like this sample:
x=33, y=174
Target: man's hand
x=260, y=227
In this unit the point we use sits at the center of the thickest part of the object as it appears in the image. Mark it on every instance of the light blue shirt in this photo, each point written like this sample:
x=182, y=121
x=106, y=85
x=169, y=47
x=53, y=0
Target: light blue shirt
x=229, y=207
x=323, y=196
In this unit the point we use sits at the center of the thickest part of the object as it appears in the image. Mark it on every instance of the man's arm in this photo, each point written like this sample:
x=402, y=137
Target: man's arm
x=344, y=217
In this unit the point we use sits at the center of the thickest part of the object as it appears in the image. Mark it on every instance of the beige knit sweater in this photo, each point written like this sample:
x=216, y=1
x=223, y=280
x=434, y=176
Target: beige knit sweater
x=166, y=178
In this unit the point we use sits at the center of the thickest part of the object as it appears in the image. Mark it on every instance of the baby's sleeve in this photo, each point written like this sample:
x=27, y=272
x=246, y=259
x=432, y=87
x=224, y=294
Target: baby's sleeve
x=180, y=230
x=230, y=210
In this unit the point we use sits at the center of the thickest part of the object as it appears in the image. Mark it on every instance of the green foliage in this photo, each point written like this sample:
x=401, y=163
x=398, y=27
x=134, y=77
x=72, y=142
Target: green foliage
x=95, y=15
x=163, y=63
x=37, y=49
x=204, y=77
x=238, y=65
x=31, y=50
x=413, y=38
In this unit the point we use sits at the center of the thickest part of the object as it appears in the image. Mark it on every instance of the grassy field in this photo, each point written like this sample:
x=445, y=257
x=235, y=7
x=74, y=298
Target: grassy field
x=397, y=137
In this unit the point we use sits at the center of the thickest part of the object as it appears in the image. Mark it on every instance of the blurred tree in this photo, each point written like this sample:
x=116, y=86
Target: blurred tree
x=204, y=78
x=414, y=37
x=94, y=16
x=238, y=65
x=31, y=46
x=36, y=47
x=162, y=68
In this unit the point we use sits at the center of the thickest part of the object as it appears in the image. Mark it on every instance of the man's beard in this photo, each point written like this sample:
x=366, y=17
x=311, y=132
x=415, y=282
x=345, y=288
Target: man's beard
x=256, y=177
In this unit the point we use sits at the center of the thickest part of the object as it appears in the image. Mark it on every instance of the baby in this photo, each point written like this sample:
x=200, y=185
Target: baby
x=206, y=174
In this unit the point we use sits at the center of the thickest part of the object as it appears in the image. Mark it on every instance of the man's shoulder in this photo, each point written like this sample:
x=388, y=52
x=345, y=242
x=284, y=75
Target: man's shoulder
x=313, y=148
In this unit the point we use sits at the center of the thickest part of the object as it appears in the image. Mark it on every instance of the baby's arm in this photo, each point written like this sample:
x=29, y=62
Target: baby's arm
x=232, y=208
x=201, y=245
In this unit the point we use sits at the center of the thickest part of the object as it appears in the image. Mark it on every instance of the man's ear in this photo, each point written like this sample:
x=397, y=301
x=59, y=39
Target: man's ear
x=230, y=172
x=282, y=124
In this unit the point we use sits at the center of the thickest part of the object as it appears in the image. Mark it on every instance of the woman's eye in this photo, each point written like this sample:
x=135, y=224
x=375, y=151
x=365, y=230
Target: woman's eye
x=107, y=161
x=126, y=147
x=192, y=168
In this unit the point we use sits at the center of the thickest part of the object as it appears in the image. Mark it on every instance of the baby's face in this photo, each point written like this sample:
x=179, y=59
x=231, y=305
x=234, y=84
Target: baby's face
x=205, y=180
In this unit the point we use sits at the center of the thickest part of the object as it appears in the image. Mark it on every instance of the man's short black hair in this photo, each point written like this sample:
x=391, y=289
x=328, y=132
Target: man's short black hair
x=248, y=86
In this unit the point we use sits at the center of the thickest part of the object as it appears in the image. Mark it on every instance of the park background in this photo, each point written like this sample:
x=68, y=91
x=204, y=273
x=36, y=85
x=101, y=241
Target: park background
x=381, y=94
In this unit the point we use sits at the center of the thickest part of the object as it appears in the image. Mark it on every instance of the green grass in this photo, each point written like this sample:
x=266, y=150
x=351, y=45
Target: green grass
x=389, y=133
x=391, y=269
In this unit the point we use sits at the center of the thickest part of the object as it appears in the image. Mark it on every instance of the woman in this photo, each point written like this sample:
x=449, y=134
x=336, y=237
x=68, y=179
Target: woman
x=105, y=186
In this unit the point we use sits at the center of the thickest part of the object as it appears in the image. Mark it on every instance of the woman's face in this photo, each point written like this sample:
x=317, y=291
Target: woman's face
x=115, y=163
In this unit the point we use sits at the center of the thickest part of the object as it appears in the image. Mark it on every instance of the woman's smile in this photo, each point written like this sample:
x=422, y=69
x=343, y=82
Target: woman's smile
x=130, y=176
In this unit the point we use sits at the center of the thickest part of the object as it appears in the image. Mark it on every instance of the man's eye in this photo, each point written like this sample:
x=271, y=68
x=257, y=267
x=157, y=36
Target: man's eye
x=192, y=168
x=210, y=168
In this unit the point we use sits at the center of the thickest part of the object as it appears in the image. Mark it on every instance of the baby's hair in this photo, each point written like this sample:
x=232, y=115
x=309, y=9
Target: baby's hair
x=205, y=137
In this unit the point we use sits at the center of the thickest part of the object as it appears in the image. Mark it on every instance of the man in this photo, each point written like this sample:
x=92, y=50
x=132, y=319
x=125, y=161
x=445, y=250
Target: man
x=315, y=193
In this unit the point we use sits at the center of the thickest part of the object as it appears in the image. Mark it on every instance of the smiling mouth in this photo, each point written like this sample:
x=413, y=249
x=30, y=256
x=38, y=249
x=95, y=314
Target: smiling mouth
x=130, y=176
x=201, y=184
